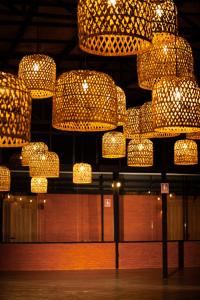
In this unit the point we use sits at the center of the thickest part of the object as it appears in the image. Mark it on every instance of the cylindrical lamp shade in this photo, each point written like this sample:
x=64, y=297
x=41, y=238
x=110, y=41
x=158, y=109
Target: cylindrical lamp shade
x=39, y=74
x=132, y=124
x=170, y=57
x=85, y=101
x=82, y=173
x=140, y=153
x=30, y=149
x=15, y=111
x=193, y=136
x=39, y=185
x=147, y=130
x=4, y=179
x=121, y=106
x=114, y=27
x=175, y=105
x=185, y=152
x=113, y=145
x=44, y=164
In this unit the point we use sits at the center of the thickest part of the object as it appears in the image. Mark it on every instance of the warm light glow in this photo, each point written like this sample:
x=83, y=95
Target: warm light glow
x=138, y=157
x=36, y=67
x=112, y=2
x=170, y=195
x=82, y=173
x=4, y=179
x=20, y=199
x=165, y=49
x=113, y=145
x=118, y=184
x=45, y=201
x=177, y=94
x=159, y=11
x=31, y=200
x=140, y=147
x=185, y=152
x=39, y=185
x=44, y=164
x=158, y=198
x=85, y=86
x=29, y=150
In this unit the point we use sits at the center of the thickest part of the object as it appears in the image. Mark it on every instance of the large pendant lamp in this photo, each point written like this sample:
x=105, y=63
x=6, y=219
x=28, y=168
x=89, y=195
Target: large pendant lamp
x=4, y=179
x=132, y=124
x=15, y=111
x=114, y=27
x=85, y=101
x=39, y=185
x=30, y=149
x=185, y=152
x=44, y=164
x=140, y=153
x=82, y=173
x=113, y=145
x=39, y=74
x=121, y=106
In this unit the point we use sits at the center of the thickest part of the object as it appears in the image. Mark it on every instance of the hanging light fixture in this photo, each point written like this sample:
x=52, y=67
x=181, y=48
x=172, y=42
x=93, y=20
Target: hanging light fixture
x=15, y=111
x=185, y=152
x=147, y=130
x=193, y=136
x=170, y=57
x=39, y=185
x=4, y=179
x=30, y=149
x=113, y=145
x=82, y=173
x=175, y=105
x=85, y=101
x=113, y=27
x=121, y=106
x=44, y=164
x=132, y=124
x=39, y=74
x=140, y=153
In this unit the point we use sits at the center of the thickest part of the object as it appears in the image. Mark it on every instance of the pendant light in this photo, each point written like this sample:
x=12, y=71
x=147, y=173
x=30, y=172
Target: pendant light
x=30, y=149
x=113, y=145
x=132, y=124
x=140, y=153
x=44, y=164
x=185, y=152
x=39, y=185
x=82, y=173
x=121, y=106
x=4, y=179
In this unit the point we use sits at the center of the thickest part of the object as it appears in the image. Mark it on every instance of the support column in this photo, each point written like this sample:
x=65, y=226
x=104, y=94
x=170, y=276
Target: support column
x=116, y=217
x=102, y=207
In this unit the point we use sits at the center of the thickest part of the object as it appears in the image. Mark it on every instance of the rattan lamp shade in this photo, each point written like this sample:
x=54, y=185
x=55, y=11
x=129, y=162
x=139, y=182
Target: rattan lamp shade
x=147, y=130
x=114, y=27
x=44, y=164
x=30, y=149
x=193, y=136
x=15, y=111
x=185, y=152
x=121, y=106
x=85, y=101
x=4, y=179
x=39, y=185
x=140, y=153
x=175, y=105
x=113, y=145
x=82, y=173
x=39, y=74
x=169, y=57
x=132, y=124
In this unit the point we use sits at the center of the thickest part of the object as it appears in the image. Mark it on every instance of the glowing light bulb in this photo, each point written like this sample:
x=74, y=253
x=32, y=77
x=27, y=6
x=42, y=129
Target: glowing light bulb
x=85, y=86
x=113, y=139
x=158, y=198
x=112, y=2
x=43, y=157
x=159, y=11
x=165, y=49
x=170, y=195
x=31, y=200
x=45, y=201
x=184, y=146
x=82, y=168
x=20, y=199
x=140, y=147
x=36, y=67
x=118, y=184
x=20, y=157
x=177, y=94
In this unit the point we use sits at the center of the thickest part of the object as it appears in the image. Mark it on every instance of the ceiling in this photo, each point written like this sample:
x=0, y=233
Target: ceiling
x=50, y=27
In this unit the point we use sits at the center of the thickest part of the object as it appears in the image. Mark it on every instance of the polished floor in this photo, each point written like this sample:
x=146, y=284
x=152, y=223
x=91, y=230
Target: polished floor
x=104, y=285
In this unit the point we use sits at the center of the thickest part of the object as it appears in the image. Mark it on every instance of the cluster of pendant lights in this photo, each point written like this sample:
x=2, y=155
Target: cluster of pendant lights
x=85, y=100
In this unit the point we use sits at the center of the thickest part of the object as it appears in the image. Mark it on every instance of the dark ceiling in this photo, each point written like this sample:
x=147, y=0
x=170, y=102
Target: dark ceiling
x=50, y=27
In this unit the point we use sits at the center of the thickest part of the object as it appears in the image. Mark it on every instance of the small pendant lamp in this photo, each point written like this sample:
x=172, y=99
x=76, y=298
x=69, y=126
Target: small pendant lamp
x=4, y=179
x=82, y=173
x=132, y=124
x=39, y=185
x=185, y=152
x=44, y=164
x=121, y=106
x=140, y=153
x=113, y=145
x=30, y=149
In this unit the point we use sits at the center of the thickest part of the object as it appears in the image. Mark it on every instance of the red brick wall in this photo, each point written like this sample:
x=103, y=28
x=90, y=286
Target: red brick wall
x=192, y=254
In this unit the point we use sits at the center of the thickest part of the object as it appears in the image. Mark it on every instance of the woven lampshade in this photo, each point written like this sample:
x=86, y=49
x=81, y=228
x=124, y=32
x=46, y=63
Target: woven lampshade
x=82, y=173
x=39, y=74
x=147, y=130
x=44, y=164
x=132, y=124
x=39, y=185
x=185, y=152
x=114, y=27
x=4, y=179
x=85, y=101
x=121, y=106
x=15, y=111
x=30, y=149
x=193, y=136
x=140, y=153
x=113, y=145
x=170, y=57
x=175, y=105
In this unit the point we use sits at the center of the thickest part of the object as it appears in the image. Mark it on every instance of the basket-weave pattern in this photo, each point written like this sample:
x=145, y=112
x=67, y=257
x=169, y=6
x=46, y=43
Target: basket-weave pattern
x=30, y=149
x=185, y=152
x=193, y=136
x=113, y=145
x=121, y=106
x=44, y=164
x=85, y=101
x=39, y=185
x=82, y=173
x=122, y=28
x=140, y=153
x=132, y=124
x=39, y=74
x=175, y=105
x=15, y=111
x=4, y=179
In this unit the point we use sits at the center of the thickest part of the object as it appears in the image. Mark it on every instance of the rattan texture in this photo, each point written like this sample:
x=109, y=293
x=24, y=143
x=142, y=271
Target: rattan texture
x=193, y=136
x=131, y=127
x=140, y=153
x=85, y=101
x=185, y=152
x=121, y=106
x=30, y=149
x=4, y=179
x=44, y=164
x=39, y=73
x=118, y=29
x=82, y=173
x=169, y=57
x=113, y=145
x=15, y=111
x=39, y=185
x=175, y=105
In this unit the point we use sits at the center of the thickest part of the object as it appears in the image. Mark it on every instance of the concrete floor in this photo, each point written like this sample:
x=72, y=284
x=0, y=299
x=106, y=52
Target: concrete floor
x=104, y=285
